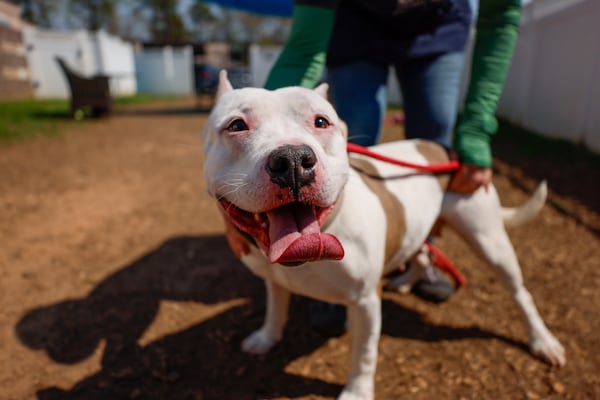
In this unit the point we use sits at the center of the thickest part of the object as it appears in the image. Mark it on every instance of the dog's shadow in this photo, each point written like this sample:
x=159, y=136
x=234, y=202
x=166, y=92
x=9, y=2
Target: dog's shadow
x=203, y=361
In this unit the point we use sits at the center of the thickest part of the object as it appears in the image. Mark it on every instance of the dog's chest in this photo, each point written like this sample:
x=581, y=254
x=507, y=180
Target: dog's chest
x=332, y=281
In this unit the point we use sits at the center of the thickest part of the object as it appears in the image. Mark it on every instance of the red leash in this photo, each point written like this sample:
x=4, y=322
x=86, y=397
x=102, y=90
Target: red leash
x=438, y=258
x=449, y=166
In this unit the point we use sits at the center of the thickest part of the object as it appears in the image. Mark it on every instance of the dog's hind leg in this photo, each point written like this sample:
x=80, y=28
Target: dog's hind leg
x=477, y=218
x=364, y=319
x=263, y=339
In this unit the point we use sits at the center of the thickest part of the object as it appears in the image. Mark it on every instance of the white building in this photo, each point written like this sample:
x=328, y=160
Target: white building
x=86, y=53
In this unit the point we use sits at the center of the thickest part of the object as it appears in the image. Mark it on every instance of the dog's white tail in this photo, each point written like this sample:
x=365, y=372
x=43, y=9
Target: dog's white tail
x=515, y=216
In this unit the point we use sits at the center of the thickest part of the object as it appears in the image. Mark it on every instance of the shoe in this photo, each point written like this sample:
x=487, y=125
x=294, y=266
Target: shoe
x=423, y=279
x=436, y=291
x=327, y=319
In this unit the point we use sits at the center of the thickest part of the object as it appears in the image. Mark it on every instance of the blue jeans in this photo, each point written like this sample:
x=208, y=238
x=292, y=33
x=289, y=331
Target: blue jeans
x=430, y=88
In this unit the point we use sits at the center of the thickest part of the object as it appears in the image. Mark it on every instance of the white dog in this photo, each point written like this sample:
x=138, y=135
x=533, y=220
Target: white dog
x=276, y=162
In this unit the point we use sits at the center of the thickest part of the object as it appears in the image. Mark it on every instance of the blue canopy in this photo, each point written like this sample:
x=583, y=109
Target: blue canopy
x=279, y=8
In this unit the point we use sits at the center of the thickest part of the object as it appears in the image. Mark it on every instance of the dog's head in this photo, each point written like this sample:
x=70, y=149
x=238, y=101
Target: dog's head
x=276, y=161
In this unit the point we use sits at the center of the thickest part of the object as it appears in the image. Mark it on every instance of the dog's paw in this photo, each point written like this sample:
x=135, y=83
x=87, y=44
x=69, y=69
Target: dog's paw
x=258, y=342
x=348, y=394
x=360, y=388
x=550, y=350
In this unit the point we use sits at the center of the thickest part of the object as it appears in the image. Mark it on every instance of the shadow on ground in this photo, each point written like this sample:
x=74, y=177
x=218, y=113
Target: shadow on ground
x=571, y=170
x=203, y=361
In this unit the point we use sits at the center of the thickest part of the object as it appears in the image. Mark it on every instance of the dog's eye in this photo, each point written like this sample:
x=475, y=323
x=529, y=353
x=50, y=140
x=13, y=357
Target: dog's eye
x=237, y=125
x=321, y=122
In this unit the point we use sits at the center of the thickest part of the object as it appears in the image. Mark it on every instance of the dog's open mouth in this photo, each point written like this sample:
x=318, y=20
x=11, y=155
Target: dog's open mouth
x=289, y=234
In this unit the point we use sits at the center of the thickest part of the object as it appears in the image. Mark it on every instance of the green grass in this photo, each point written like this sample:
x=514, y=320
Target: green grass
x=143, y=98
x=27, y=118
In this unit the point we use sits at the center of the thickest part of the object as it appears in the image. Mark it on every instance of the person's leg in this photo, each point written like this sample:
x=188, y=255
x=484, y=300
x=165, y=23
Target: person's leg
x=430, y=92
x=474, y=4
x=359, y=93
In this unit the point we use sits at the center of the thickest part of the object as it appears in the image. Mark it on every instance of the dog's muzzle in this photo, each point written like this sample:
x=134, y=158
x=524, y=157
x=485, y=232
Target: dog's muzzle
x=290, y=234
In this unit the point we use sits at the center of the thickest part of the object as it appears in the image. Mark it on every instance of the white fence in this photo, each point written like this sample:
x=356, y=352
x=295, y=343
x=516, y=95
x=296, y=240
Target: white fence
x=165, y=70
x=86, y=53
x=553, y=85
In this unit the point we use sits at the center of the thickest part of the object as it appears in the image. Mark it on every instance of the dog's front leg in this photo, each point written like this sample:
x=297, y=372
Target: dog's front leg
x=263, y=339
x=364, y=319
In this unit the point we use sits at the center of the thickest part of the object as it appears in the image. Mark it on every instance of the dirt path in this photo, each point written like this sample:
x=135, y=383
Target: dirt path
x=116, y=283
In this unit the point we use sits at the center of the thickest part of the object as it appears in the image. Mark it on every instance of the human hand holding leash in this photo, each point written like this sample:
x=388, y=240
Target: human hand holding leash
x=469, y=178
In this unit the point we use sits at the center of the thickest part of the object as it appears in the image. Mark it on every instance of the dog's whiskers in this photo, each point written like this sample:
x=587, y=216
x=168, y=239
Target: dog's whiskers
x=233, y=190
x=229, y=188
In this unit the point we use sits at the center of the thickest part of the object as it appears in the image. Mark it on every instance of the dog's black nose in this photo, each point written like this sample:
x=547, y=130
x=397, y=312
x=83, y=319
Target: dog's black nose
x=292, y=166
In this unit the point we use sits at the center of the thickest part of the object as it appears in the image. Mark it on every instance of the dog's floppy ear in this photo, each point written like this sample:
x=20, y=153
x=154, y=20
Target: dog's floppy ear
x=224, y=84
x=322, y=90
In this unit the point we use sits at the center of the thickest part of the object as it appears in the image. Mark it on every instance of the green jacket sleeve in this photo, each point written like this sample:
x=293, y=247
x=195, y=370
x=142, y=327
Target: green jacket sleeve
x=302, y=59
x=496, y=36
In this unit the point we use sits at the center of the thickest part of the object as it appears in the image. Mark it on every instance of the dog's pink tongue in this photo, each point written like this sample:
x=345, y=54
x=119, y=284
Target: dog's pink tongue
x=296, y=236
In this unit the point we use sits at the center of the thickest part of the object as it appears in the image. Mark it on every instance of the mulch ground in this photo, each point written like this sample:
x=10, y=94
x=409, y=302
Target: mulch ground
x=116, y=283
